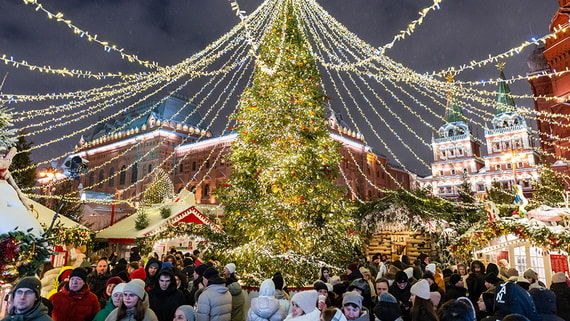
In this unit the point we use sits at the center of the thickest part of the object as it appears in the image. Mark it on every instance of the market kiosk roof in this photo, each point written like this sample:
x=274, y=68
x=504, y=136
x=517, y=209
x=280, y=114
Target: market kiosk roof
x=44, y=215
x=184, y=210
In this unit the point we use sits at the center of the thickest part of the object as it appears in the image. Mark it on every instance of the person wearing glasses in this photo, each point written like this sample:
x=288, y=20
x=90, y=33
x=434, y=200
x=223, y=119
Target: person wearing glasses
x=26, y=302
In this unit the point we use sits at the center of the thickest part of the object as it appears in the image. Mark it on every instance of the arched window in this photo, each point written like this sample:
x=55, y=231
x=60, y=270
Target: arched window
x=134, y=172
x=123, y=175
x=149, y=168
x=207, y=190
x=112, y=177
x=193, y=166
x=91, y=179
x=101, y=176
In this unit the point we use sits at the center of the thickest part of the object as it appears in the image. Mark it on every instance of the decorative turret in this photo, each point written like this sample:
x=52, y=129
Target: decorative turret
x=455, y=124
x=506, y=107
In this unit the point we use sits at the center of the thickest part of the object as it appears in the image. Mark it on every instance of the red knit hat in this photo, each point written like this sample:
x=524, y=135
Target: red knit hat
x=352, y=267
x=138, y=274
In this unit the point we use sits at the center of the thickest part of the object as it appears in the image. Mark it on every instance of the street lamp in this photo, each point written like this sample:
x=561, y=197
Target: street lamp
x=514, y=157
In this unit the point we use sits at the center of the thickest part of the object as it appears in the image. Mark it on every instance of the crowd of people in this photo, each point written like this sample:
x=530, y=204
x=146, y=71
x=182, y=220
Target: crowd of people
x=182, y=287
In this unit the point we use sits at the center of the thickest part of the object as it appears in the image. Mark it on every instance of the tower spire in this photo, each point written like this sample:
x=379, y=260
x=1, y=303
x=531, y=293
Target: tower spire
x=505, y=101
x=452, y=111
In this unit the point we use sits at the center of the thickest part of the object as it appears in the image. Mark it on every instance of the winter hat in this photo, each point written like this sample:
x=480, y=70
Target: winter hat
x=119, y=288
x=231, y=267
x=339, y=288
x=200, y=269
x=530, y=274
x=429, y=275
x=306, y=300
x=210, y=273
x=405, y=259
x=435, y=298
x=85, y=264
x=522, y=279
x=352, y=267
x=139, y=273
x=512, y=272
x=492, y=267
x=187, y=261
x=352, y=297
x=454, y=278
x=30, y=282
x=188, y=312
x=504, y=263
x=544, y=300
x=387, y=297
x=135, y=287
x=401, y=277
x=166, y=265
x=491, y=277
x=320, y=285
x=422, y=257
x=64, y=275
x=154, y=265
x=335, y=280
x=421, y=289
x=114, y=280
x=278, y=281
x=267, y=288
x=558, y=277
x=409, y=272
x=79, y=272
x=338, y=316
x=431, y=267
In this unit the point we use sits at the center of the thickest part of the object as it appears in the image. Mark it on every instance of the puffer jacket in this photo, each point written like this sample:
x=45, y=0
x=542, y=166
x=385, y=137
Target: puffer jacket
x=238, y=301
x=74, y=306
x=215, y=303
x=50, y=277
x=562, y=292
x=102, y=315
x=265, y=308
x=57, y=281
x=283, y=301
x=314, y=315
x=38, y=312
x=148, y=313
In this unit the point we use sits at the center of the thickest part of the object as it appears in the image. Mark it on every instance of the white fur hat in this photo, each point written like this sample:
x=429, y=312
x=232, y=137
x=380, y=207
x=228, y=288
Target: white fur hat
x=421, y=289
x=431, y=267
x=306, y=300
x=231, y=267
x=409, y=272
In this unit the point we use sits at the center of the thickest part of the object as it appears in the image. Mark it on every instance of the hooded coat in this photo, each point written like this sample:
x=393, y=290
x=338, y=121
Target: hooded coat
x=388, y=311
x=215, y=303
x=38, y=312
x=58, y=281
x=238, y=301
x=149, y=282
x=98, y=282
x=545, y=302
x=562, y=292
x=314, y=315
x=266, y=306
x=165, y=302
x=74, y=306
x=476, y=282
x=511, y=298
x=403, y=296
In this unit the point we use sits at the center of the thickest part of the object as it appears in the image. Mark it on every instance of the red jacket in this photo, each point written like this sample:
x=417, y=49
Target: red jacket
x=74, y=306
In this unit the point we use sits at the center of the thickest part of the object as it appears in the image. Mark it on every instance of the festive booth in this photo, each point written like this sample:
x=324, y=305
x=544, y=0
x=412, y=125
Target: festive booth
x=175, y=223
x=397, y=230
x=540, y=241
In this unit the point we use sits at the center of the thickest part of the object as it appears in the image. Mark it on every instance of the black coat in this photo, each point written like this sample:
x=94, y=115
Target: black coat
x=476, y=286
x=165, y=302
x=562, y=292
x=98, y=283
x=454, y=292
x=387, y=311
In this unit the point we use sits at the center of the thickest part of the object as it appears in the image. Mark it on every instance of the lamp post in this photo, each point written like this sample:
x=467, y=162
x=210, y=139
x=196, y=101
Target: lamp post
x=513, y=156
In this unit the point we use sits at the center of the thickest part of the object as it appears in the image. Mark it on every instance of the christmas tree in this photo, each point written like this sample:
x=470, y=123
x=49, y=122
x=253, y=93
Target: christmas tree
x=283, y=211
x=159, y=189
x=549, y=188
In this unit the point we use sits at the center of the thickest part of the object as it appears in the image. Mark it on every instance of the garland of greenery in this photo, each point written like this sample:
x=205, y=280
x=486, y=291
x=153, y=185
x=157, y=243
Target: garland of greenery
x=145, y=244
x=537, y=233
x=76, y=236
x=22, y=252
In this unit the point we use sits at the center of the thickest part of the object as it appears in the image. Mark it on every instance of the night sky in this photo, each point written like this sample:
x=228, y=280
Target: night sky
x=167, y=31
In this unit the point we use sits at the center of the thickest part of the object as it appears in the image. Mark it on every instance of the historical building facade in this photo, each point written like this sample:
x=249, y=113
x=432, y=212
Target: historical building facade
x=123, y=153
x=510, y=154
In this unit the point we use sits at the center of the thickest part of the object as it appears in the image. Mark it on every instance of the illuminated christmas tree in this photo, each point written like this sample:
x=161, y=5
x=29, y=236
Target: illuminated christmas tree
x=159, y=189
x=283, y=211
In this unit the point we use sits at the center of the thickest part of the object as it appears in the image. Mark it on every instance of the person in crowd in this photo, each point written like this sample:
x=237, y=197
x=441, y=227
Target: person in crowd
x=486, y=304
x=475, y=281
x=152, y=267
x=418, y=270
x=188, y=268
x=62, y=279
x=74, y=302
x=511, y=298
x=182, y=285
x=433, y=287
x=332, y=314
x=456, y=287
x=139, y=273
x=362, y=287
x=324, y=274
x=462, y=269
x=97, y=280
x=532, y=278
x=304, y=307
x=197, y=285
x=121, y=269
x=400, y=289
x=266, y=306
x=512, y=274
x=522, y=282
x=215, y=302
x=545, y=303
x=368, y=278
x=26, y=302
x=112, y=303
x=111, y=283
x=352, y=307
x=391, y=274
x=184, y=313
x=134, y=255
x=352, y=272
x=503, y=268
x=491, y=281
x=455, y=310
x=387, y=308
x=422, y=308
x=280, y=293
x=374, y=265
x=238, y=295
x=322, y=290
x=132, y=266
x=560, y=287
x=164, y=297
x=134, y=306
x=382, y=286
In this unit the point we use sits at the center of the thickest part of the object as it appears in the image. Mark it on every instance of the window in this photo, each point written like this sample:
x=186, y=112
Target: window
x=149, y=168
x=193, y=166
x=509, y=166
x=91, y=179
x=440, y=173
x=453, y=172
x=377, y=174
x=112, y=177
x=498, y=167
x=526, y=183
x=383, y=175
x=208, y=163
x=101, y=176
x=441, y=190
x=122, y=176
x=496, y=147
x=207, y=190
x=481, y=187
x=448, y=189
x=181, y=167
x=520, y=164
x=459, y=151
x=134, y=172
x=465, y=170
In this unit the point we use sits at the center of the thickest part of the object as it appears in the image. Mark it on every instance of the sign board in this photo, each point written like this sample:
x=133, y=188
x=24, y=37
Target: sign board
x=559, y=263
